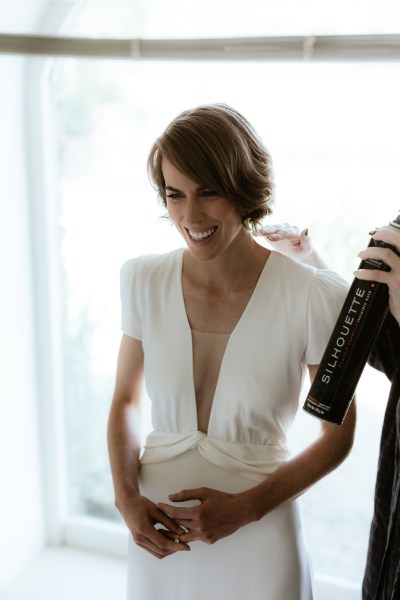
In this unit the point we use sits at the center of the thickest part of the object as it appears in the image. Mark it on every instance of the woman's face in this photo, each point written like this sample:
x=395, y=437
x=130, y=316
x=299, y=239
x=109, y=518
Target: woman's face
x=208, y=223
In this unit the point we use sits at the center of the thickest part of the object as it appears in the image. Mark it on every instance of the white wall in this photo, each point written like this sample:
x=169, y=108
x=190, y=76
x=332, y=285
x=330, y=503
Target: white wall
x=21, y=518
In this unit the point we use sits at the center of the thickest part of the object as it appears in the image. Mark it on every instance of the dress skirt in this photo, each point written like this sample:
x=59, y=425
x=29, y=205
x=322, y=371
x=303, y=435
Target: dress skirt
x=265, y=560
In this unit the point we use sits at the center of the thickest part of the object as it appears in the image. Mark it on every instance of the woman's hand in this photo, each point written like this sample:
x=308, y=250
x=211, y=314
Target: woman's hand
x=288, y=239
x=217, y=515
x=391, y=278
x=141, y=516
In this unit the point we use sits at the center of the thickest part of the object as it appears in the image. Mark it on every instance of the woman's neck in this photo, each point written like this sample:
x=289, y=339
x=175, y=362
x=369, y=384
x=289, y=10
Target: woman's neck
x=240, y=265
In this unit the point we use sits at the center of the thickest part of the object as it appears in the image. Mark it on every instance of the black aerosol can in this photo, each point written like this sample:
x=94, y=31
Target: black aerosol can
x=351, y=341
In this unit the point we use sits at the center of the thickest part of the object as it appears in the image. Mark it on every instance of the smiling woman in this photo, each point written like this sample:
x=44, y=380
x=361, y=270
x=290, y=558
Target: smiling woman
x=220, y=443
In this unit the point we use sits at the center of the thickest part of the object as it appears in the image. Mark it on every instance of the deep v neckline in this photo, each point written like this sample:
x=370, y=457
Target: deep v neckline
x=231, y=339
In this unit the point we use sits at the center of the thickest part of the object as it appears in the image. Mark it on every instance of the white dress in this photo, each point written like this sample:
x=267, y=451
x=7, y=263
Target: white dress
x=285, y=326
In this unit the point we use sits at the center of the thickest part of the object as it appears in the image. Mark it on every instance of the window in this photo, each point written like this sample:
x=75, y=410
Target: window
x=332, y=130
x=335, y=169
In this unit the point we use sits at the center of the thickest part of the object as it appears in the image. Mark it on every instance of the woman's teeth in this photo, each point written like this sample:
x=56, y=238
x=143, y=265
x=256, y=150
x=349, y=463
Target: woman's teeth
x=201, y=235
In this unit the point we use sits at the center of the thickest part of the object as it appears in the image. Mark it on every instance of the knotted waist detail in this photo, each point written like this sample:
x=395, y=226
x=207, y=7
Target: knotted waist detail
x=253, y=461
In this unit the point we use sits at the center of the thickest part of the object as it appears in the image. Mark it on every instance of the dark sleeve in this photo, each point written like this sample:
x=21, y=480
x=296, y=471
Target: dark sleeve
x=385, y=353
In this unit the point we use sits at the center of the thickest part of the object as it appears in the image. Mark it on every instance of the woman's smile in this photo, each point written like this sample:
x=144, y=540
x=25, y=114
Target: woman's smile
x=200, y=235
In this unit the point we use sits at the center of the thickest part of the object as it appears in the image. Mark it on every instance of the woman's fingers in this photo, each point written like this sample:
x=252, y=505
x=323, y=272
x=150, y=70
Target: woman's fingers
x=280, y=232
x=142, y=517
x=159, y=542
x=166, y=520
x=216, y=515
x=378, y=253
x=179, y=540
x=155, y=550
x=389, y=257
x=389, y=236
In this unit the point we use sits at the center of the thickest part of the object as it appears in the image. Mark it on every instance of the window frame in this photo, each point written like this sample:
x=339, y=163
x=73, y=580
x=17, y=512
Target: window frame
x=357, y=47
x=47, y=291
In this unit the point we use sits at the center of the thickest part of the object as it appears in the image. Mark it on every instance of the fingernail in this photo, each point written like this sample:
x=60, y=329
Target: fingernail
x=372, y=231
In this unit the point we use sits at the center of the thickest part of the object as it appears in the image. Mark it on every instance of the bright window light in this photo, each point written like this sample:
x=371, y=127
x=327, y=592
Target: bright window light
x=230, y=18
x=332, y=130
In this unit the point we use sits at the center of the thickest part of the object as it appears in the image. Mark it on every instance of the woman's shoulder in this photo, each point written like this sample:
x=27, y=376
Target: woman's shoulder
x=291, y=271
x=307, y=279
x=146, y=264
x=290, y=266
x=328, y=280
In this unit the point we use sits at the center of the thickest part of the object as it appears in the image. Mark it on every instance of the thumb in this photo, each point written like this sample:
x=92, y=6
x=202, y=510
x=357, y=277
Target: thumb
x=183, y=495
x=304, y=235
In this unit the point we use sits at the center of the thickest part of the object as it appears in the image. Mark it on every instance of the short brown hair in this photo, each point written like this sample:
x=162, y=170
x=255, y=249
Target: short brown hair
x=215, y=146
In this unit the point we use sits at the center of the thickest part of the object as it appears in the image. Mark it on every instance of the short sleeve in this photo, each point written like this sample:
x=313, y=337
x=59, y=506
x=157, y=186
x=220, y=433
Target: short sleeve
x=327, y=296
x=131, y=319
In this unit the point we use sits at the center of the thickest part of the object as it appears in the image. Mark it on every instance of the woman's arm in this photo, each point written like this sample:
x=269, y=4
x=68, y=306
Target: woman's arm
x=219, y=514
x=324, y=455
x=140, y=514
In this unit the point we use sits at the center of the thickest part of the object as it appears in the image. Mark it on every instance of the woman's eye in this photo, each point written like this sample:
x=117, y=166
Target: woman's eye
x=174, y=196
x=208, y=194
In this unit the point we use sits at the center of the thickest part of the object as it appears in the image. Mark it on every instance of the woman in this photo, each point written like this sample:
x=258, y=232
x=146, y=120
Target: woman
x=382, y=572
x=223, y=332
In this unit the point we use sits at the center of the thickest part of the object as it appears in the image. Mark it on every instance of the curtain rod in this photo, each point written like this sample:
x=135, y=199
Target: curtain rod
x=377, y=47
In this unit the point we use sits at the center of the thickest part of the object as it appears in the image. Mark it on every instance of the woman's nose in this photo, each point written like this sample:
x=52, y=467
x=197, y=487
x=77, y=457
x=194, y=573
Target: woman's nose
x=193, y=211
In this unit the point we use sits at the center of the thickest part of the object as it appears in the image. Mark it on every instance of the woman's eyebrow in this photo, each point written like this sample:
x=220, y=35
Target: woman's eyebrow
x=200, y=188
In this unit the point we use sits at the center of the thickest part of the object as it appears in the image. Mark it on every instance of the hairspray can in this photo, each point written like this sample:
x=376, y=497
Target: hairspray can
x=346, y=354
